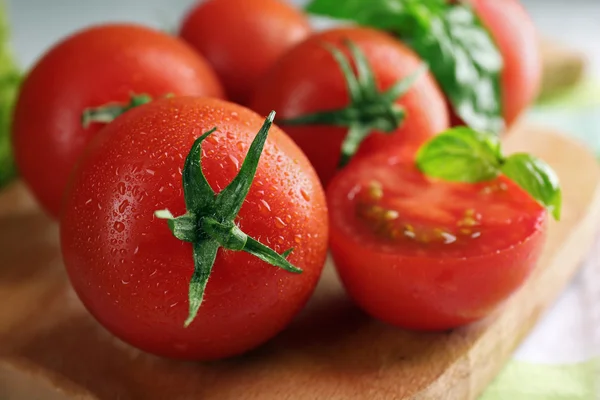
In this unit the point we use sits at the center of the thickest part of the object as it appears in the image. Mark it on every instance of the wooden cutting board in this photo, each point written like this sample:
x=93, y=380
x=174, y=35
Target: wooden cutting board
x=50, y=348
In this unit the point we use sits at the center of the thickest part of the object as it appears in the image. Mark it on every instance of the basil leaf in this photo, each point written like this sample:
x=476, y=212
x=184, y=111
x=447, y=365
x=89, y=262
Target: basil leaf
x=465, y=155
x=461, y=155
x=537, y=178
x=381, y=14
x=450, y=38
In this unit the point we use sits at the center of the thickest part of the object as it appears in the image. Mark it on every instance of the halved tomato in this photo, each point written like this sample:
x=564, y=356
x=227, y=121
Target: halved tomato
x=427, y=254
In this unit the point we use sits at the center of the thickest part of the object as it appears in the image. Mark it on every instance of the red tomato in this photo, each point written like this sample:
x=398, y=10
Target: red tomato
x=100, y=65
x=426, y=254
x=133, y=274
x=516, y=37
x=308, y=80
x=242, y=39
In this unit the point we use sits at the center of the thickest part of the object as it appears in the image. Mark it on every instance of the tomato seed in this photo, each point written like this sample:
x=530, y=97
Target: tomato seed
x=375, y=190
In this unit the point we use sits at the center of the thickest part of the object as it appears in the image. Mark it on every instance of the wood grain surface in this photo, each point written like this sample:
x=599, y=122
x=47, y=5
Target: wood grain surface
x=50, y=348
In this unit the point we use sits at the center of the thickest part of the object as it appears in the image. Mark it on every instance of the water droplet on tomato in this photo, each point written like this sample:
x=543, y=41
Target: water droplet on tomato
x=264, y=207
x=119, y=226
x=235, y=115
x=240, y=145
x=214, y=139
x=279, y=223
x=305, y=195
x=123, y=206
x=235, y=161
x=230, y=135
x=121, y=187
x=298, y=238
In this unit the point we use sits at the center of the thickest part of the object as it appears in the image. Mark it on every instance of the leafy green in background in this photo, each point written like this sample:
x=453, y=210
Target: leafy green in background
x=10, y=78
x=450, y=38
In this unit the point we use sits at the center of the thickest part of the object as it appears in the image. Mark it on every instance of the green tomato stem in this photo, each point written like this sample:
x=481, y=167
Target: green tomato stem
x=209, y=222
x=370, y=110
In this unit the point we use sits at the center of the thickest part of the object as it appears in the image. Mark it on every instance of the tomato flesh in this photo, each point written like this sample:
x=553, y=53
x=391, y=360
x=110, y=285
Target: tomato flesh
x=427, y=254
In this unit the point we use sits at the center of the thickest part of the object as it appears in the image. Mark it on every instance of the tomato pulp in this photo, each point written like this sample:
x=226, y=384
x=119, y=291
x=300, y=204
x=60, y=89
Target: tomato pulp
x=426, y=254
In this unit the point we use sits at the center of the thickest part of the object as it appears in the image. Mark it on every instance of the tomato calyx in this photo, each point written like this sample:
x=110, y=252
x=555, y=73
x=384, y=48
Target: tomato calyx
x=108, y=112
x=369, y=109
x=209, y=221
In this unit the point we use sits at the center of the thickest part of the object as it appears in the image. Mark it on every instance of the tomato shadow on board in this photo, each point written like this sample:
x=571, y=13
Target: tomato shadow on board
x=339, y=337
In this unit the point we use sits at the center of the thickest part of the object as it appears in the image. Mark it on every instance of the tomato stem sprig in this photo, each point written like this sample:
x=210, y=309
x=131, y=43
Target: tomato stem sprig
x=369, y=109
x=465, y=155
x=209, y=222
x=107, y=113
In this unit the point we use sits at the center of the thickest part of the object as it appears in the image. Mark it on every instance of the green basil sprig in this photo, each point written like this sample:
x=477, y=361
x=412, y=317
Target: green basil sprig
x=450, y=38
x=465, y=155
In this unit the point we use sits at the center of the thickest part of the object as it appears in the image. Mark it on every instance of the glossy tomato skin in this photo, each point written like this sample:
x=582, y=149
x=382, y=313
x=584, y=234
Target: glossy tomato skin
x=100, y=65
x=516, y=37
x=432, y=284
x=133, y=275
x=307, y=80
x=242, y=39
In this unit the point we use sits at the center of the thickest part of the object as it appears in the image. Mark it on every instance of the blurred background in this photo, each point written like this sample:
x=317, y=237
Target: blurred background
x=562, y=350
x=37, y=24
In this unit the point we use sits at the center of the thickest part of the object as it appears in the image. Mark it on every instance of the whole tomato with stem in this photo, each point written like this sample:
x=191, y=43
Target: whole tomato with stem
x=99, y=65
x=242, y=256
x=349, y=92
x=242, y=39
